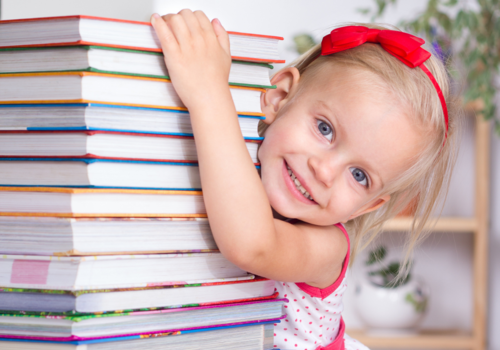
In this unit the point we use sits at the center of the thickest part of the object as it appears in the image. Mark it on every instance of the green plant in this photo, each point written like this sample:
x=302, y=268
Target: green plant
x=303, y=42
x=467, y=36
x=387, y=274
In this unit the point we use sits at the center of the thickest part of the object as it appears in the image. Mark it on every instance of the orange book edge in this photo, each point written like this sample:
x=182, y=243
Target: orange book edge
x=96, y=190
x=82, y=74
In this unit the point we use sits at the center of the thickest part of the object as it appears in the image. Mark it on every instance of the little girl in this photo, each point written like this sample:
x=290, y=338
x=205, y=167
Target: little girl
x=356, y=129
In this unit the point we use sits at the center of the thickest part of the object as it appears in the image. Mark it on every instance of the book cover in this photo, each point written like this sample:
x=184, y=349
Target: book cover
x=128, y=78
x=77, y=293
x=14, y=122
x=142, y=155
x=55, y=340
x=78, y=317
x=98, y=191
x=115, y=72
x=155, y=49
x=104, y=271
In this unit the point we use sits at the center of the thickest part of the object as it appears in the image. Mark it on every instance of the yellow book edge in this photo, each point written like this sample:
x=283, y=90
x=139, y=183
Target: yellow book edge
x=82, y=74
x=96, y=190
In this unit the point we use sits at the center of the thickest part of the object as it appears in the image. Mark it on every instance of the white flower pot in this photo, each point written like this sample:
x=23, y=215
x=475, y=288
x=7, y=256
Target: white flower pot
x=391, y=311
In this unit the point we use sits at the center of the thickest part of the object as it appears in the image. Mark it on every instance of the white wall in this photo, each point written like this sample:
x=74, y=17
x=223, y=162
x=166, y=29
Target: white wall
x=444, y=259
x=138, y=10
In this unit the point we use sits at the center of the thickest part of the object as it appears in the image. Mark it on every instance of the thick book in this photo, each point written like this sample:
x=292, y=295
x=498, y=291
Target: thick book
x=254, y=336
x=102, y=117
x=97, y=202
x=110, y=60
x=113, y=271
x=103, y=236
x=104, y=145
x=63, y=303
x=83, y=87
x=99, y=173
x=89, y=327
x=87, y=30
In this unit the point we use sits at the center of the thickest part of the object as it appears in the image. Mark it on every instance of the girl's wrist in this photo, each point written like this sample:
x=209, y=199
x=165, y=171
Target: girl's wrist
x=216, y=100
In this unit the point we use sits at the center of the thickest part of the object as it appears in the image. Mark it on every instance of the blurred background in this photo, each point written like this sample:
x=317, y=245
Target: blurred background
x=444, y=262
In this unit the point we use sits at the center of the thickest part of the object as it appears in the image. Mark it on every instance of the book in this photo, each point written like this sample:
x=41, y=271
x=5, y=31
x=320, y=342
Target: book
x=80, y=202
x=108, y=325
x=98, y=236
x=103, y=144
x=88, y=30
x=113, y=271
x=99, y=173
x=84, y=302
x=102, y=117
x=83, y=87
x=110, y=60
x=256, y=336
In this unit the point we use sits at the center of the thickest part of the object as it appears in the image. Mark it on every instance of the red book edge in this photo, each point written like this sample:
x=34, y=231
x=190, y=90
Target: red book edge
x=137, y=48
x=94, y=132
x=122, y=21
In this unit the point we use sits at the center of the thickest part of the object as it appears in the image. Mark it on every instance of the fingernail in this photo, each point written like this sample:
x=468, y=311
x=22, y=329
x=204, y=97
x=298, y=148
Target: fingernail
x=154, y=17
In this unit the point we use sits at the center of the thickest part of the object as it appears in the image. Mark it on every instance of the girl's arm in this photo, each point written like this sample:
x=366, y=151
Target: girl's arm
x=198, y=59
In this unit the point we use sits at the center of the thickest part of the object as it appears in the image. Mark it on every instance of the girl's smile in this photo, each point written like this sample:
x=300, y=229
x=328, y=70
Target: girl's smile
x=297, y=187
x=333, y=146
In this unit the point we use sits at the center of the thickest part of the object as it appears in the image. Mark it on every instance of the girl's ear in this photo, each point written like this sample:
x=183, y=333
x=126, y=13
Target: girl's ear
x=286, y=81
x=374, y=205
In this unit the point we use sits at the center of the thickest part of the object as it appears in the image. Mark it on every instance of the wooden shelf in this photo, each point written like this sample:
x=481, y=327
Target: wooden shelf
x=478, y=226
x=450, y=224
x=425, y=340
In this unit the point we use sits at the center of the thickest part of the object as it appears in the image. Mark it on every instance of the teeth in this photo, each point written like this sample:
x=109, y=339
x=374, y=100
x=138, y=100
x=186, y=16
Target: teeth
x=298, y=184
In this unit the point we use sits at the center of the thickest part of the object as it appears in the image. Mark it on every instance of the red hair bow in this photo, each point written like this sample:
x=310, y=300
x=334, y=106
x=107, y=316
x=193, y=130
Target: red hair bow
x=403, y=46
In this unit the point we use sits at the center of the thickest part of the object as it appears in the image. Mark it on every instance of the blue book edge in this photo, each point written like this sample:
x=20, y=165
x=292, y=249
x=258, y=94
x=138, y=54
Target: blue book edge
x=39, y=105
x=133, y=337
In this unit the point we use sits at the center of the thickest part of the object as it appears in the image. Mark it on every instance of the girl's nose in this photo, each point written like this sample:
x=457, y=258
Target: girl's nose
x=325, y=169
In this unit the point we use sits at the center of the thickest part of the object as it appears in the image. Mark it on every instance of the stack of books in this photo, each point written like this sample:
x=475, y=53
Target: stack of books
x=104, y=240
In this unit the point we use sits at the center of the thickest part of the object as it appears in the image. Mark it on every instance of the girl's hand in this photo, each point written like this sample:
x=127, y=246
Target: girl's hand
x=197, y=56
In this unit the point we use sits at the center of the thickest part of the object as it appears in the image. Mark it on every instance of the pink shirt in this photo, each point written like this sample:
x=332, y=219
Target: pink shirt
x=313, y=315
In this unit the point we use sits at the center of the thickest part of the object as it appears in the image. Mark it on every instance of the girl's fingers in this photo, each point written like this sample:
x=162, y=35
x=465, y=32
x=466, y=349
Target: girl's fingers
x=222, y=35
x=191, y=21
x=203, y=20
x=165, y=35
x=178, y=27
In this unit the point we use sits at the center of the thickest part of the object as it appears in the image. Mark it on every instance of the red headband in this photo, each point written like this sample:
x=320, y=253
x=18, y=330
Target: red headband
x=403, y=46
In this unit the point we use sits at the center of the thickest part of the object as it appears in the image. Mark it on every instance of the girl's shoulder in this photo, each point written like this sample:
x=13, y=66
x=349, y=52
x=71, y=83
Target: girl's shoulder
x=340, y=254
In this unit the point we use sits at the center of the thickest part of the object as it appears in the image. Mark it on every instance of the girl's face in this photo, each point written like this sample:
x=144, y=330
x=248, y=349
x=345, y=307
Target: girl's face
x=335, y=142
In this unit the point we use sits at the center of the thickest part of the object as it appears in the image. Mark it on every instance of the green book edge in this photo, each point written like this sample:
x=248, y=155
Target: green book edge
x=90, y=69
x=90, y=291
x=78, y=316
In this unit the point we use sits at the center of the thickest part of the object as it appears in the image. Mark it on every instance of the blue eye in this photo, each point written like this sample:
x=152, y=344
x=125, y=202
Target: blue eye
x=325, y=129
x=359, y=176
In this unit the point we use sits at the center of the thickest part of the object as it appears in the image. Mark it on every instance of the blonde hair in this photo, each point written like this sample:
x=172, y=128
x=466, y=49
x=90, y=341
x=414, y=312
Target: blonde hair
x=425, y=183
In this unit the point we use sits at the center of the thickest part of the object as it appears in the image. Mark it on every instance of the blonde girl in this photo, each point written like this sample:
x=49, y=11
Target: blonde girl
x=355, y=129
